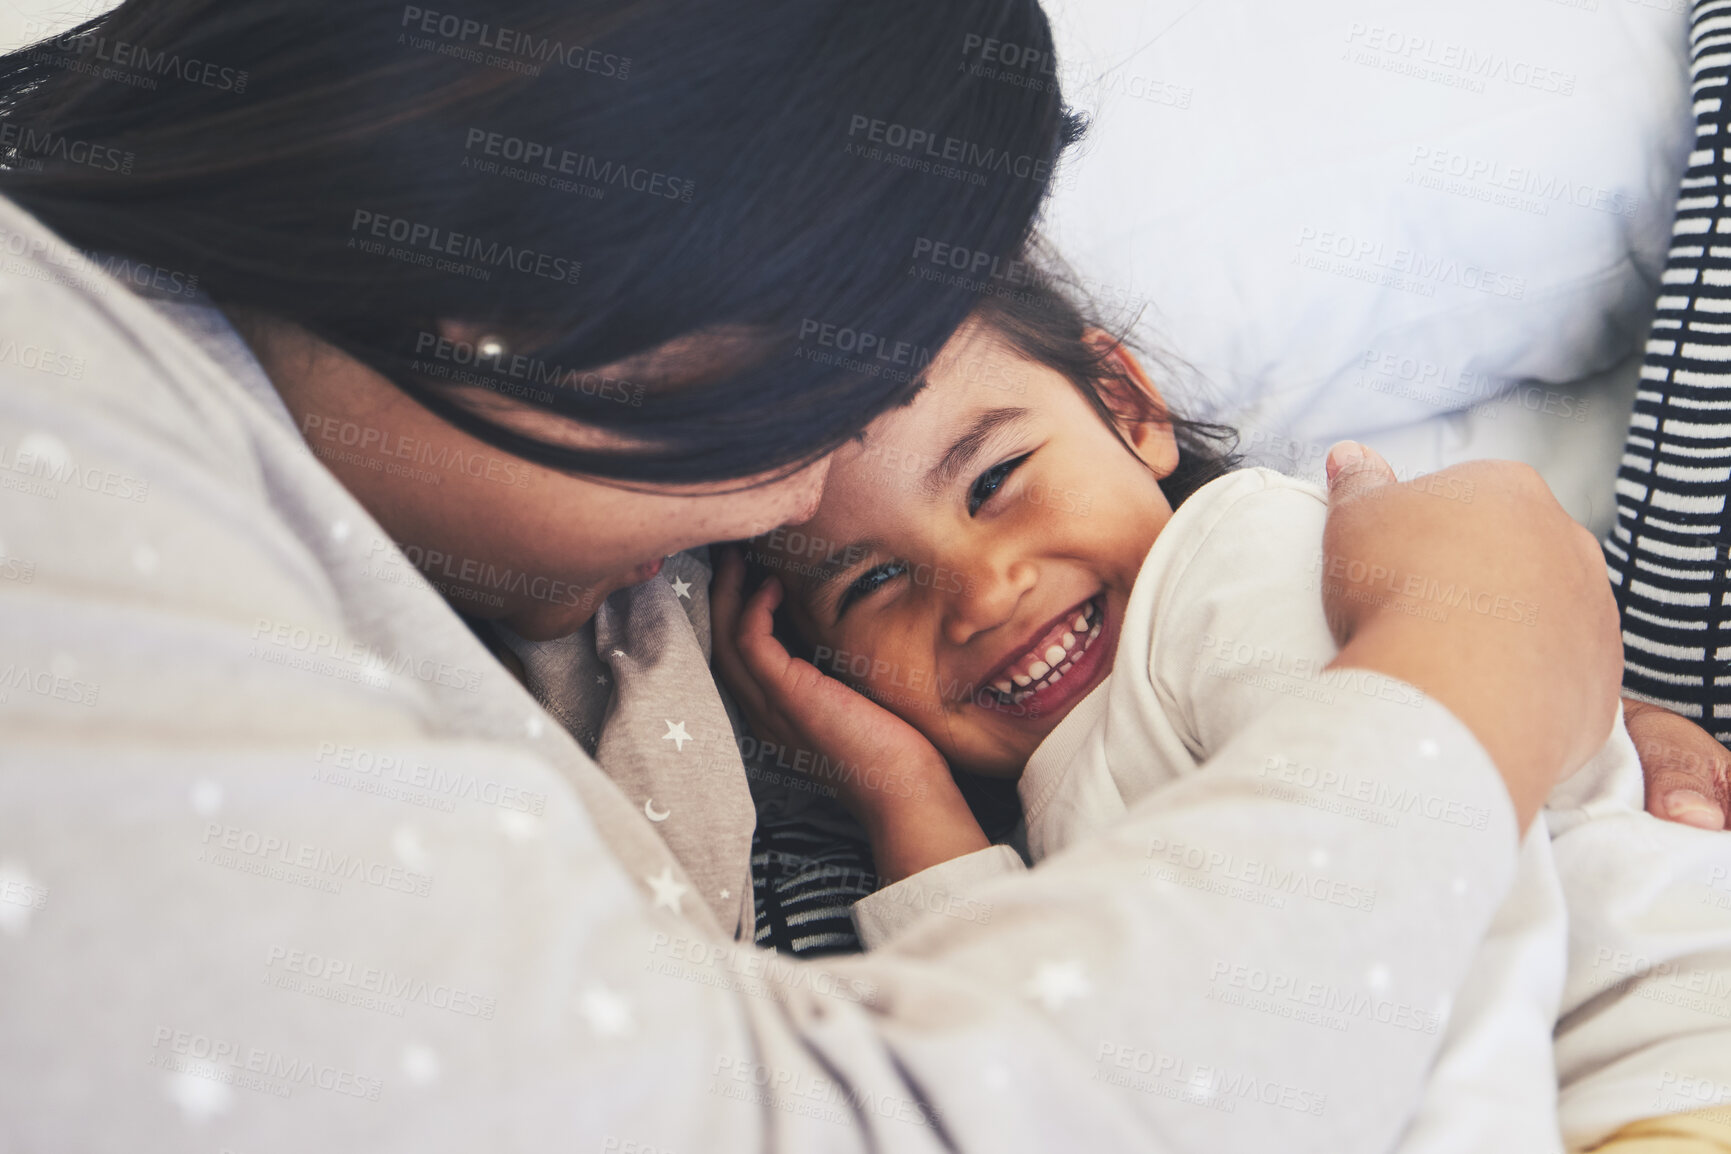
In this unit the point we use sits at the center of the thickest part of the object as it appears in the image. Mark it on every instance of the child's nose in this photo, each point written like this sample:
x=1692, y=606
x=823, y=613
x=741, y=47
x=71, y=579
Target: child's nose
x=983, y=598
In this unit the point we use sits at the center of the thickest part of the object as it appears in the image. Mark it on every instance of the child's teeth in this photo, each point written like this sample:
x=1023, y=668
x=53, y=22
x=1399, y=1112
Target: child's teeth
x=1016, y=688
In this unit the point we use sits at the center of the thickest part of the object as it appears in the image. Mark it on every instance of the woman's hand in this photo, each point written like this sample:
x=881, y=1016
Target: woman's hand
x=1473, y=584
x=1688, y=772
x=889, y=776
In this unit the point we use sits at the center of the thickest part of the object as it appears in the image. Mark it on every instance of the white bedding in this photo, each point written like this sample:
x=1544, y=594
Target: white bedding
x=1359, y=217
x=1577, y=455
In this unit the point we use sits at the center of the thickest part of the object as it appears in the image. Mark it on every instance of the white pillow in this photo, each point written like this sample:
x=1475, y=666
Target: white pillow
x=1348, y=215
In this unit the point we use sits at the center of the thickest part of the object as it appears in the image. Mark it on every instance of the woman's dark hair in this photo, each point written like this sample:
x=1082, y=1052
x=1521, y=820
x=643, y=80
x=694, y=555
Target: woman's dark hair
x=688, y=222
x=1045, y=318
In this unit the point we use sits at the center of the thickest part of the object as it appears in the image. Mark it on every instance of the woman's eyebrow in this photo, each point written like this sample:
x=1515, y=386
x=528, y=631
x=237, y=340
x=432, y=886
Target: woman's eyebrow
x=967, y=447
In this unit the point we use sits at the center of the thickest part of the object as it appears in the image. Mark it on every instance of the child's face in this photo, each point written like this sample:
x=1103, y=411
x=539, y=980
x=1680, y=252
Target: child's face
x=970, y=562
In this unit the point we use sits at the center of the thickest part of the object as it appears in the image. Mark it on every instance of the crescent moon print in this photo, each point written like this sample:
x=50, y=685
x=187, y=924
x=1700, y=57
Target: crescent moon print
x=649, y=811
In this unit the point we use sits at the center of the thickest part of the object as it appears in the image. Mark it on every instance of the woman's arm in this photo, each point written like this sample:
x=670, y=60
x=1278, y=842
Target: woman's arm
x=1688, y=771
x=1540, y=690
x=185, y=854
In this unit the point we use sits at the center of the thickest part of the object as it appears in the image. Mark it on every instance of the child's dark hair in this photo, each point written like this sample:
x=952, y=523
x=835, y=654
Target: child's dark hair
x=1048, y=322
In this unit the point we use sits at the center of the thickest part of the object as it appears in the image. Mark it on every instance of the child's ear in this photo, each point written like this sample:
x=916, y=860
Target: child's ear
x=1138, y=409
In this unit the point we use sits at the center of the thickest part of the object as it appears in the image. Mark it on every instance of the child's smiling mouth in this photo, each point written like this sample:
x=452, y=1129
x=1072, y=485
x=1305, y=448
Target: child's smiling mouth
x=1066, y=641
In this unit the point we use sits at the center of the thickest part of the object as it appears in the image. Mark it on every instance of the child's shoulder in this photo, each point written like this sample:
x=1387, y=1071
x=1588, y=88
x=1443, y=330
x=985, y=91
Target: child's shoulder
x=1254, y=493
x=1240, y=483
x=1236, y=573
x=1254, y=524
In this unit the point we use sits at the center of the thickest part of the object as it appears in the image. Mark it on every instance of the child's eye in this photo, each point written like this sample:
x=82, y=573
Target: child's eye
x=989, y=482
x=870, y=582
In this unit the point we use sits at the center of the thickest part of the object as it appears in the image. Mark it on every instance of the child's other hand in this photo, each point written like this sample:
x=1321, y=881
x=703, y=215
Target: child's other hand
x=886, y=773
x=1685, y=767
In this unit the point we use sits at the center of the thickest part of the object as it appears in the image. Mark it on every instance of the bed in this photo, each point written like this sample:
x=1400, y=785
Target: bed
x=1436, y=227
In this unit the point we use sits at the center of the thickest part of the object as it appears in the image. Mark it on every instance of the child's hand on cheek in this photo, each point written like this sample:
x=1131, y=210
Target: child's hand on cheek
x=883, y=769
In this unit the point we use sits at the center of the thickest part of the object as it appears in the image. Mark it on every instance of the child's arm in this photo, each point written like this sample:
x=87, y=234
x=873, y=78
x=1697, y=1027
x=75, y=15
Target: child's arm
x=893, y=780
x=912, y=835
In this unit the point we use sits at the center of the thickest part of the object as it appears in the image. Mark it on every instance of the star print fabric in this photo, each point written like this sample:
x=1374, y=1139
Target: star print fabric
x=137, y=955
x=656, y=728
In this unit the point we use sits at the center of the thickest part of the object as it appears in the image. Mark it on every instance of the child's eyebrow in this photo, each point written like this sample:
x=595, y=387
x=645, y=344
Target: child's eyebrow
x=968, y=445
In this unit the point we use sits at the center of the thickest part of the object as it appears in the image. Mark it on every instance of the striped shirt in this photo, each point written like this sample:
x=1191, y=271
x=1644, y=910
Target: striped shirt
x=1669, y=553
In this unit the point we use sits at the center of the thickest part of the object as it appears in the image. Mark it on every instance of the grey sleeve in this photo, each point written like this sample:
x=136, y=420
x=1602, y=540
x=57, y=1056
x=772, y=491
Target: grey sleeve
x=243, y=945
x=261, y=892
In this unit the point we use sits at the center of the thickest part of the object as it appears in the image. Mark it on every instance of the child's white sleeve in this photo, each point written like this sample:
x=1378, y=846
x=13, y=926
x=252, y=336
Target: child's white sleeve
x=1229, y=611
x=1645, y=1028
x=941, y=889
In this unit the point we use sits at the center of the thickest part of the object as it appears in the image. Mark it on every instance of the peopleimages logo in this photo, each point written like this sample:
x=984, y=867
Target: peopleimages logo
x=31, y=144
x=123, y=56
x=860, y=342
x=1365, y=258
x=466, y=39
x=974, y=262
x=1458, y=65
x=927, y=147
x=437, y=241
x=387, y=983
x=253, y=1067
x=553, y=160
x=1518, y=186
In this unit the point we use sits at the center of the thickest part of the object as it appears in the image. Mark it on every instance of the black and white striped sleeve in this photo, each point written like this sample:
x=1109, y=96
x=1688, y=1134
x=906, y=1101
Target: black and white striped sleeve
x=1670, y=549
